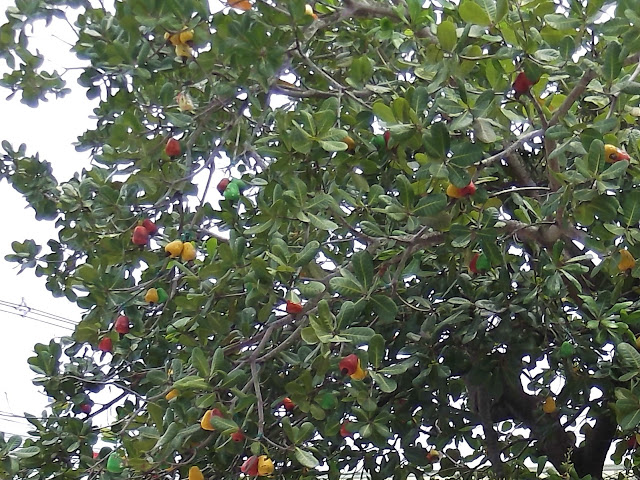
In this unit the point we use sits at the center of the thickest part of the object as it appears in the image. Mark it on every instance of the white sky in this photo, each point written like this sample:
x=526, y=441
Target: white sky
x=50, y=130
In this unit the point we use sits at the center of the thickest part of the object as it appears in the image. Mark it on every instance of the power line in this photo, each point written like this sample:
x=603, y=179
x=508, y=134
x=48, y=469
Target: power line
x=36, y=319
x=23, y=308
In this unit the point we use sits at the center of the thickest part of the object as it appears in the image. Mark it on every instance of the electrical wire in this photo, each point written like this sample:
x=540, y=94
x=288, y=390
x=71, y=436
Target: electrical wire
x=23, y=308
x=36, y=319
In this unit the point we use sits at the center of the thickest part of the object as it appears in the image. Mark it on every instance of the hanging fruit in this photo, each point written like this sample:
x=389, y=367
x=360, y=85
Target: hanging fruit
x=174, y=249
x=172, y=148
x=222, y=185
x=151, y=296
x=189, y=252
x=627, y=262
x=173, y=393
x=122, y=324
x=613, y=154
x=293, y=307
x=522, y=84
x=140, y=236
x=195, y=473
x=288, y=404
x=549, y=405
x=343, y=429
x=105, y=345
x=149, y=226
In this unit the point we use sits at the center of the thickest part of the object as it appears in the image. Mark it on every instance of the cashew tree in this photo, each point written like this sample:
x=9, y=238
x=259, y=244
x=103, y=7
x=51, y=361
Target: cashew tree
x=359, y=237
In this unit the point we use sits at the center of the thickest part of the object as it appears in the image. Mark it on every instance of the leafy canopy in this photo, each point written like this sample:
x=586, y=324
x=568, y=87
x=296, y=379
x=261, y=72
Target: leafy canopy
x=449, y=301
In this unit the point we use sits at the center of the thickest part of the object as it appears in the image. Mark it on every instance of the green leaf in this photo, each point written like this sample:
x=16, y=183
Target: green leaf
x=192, y=383
x=333, y=146
x=27, y=452
x=384, y=112
x=307, y=254
x=305, y=458
x=376, y=350
x=384, y=307
x=560, y=22
x=322, y=223
x=616, y=170
x=358, y=335
x=311, y=289
x=387, y=385
x=631, y=207
x=629, y=355
x=199, y=361
x=224, y=425
x=596, y=159
x=431, y=205
x=473, y=13
x=346, y=286
x=447, y=35
x=484, y=130
x=363, y=268
x=612, y=61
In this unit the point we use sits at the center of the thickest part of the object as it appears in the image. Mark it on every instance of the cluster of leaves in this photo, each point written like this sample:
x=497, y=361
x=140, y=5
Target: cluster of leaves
x=365, y=237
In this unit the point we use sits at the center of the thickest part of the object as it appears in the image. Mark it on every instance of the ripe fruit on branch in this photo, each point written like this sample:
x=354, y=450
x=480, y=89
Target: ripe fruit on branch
x=243, y=5
x=184, y=52
x=522, y=84
x=288, y=404
x=174, y=249
x=85, y=408
x=173, y=393
x=250, y=466
x=349, y=364
x=351, y=144
x=613, y=154
x=195, y=473
x=172, y=148
x=149, y=226
x=265, y=465
x=105, y=345
x=205, y=423
x=188, y=252
x=293, y=307
x=122, y=324
x=433, y=455
x=186, y=36
x=549, y=405
x=343, y=429
x=455, y=192
x=222, y=185
x=151, y=296
x=182, y=37
x=627, y=261
x=140, y=236
x=237, y=436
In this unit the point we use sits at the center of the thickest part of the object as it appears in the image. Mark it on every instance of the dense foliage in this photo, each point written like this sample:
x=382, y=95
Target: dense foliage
x=447, y=192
